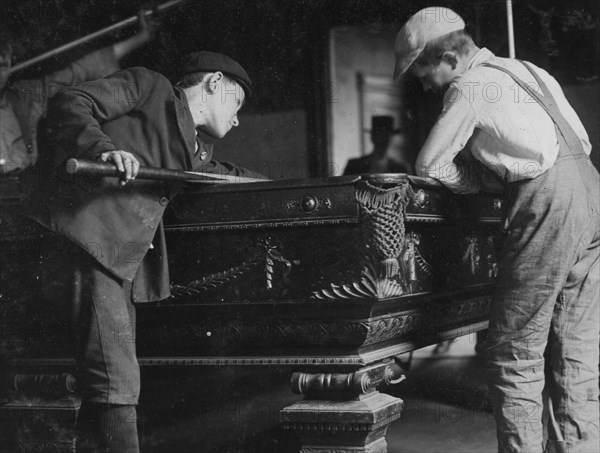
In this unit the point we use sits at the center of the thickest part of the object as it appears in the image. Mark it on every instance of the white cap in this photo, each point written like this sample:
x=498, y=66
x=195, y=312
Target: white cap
x=426, y=25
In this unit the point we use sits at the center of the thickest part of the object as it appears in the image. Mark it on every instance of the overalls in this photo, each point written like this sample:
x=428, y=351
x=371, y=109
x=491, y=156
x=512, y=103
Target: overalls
x=548, y=295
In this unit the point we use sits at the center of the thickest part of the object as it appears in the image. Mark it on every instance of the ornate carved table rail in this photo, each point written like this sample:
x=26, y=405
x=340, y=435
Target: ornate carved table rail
x=333, y=277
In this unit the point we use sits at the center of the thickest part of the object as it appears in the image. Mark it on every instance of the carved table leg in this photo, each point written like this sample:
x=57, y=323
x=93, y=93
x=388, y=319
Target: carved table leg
x=41, y=414
x=343, y=412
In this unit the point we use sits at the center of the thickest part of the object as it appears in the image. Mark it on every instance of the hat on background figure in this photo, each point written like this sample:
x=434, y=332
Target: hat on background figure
x=424, y=26
x=383, y=123
x=205, y=61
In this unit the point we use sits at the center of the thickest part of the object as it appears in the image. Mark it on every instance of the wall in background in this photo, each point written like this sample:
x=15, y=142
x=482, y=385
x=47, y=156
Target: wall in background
x=283, y=47
x=273, y=144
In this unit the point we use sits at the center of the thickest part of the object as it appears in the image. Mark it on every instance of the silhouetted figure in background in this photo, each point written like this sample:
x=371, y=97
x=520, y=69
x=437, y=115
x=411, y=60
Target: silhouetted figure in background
x=382, y=129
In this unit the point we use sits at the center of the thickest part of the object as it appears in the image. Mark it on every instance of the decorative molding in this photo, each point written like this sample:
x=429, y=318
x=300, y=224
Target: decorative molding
x=392, y=327
x=47, y=446
x=411, y=345
x=498, y=203
x=412, y=258
x=420, y=199
x=333, y=426
x=357, y=333
x=472, y=255
x=360, y=332
x=214, y=280
x=425, y=218
x=253, y=225
x=275, y=360
x=477, y=305
x=369, y=287
x=379, y=446
x=436, y=218
x=491, y=258
x=252, y=361
x=496, y=220
x=308, y=204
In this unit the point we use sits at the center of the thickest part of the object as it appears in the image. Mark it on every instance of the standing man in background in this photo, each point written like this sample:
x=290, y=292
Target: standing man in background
x=378, y=161
x=512, y=118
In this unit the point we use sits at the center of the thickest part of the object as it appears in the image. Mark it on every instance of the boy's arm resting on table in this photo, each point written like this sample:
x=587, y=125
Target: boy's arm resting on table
x=446, y=139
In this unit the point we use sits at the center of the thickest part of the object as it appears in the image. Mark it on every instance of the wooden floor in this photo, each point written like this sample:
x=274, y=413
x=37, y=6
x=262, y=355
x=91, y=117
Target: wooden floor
x=446, y=405
x=237, y=411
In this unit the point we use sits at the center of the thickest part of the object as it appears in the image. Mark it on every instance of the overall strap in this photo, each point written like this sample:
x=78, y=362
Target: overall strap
x=548, y=103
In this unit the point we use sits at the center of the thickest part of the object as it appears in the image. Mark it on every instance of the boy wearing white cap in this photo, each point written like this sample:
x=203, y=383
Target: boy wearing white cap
x=513, y=118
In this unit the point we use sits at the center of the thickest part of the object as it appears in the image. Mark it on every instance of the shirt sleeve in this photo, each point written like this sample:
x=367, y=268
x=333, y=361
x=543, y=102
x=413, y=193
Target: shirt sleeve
x=447, y=138
x=75, y=114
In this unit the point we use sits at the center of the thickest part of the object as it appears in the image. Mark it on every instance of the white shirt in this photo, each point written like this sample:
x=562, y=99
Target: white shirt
x=498, y=122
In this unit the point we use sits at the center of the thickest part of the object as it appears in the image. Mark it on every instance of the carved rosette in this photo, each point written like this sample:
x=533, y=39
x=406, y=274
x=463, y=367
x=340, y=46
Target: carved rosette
x=382, y=211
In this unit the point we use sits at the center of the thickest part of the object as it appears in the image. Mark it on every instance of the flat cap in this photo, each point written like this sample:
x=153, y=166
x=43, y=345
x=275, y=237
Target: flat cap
x=205, y=61
x=424, y=26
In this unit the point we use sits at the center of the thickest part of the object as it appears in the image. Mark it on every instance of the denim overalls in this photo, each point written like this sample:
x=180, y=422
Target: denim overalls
x=548, y=295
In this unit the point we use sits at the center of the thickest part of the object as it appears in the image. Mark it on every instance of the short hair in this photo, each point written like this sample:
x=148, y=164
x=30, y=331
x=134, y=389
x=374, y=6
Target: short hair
x=196, y=78
x=192, y=79
x=458, y=41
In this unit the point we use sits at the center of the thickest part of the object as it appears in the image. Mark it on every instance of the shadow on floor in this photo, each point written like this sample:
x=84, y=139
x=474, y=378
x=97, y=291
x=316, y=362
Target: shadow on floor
x=446, y=408
x=236, y=410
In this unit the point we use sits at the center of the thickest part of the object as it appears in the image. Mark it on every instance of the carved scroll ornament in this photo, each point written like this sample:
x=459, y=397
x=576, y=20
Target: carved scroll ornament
x=269, y=253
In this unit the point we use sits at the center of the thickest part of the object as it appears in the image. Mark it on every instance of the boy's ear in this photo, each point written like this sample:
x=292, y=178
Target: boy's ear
x=450, y=58
x=215, y=80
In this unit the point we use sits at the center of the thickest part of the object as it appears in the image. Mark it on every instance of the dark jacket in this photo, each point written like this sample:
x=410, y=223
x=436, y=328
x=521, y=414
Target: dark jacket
x=135, y=110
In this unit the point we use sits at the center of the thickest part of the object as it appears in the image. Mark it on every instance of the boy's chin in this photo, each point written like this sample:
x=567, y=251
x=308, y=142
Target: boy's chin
x=213, y=133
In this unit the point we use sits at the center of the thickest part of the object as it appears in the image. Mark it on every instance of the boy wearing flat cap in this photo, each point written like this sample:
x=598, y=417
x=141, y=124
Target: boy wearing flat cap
x=130, y=118
x=512, y=118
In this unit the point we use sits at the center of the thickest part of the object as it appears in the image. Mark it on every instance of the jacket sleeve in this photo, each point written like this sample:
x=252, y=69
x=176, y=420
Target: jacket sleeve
x=75, y=114
x=227, y=168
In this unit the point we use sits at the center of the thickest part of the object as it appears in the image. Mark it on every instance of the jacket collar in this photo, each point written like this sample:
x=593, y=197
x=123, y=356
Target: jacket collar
x=185, y=122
